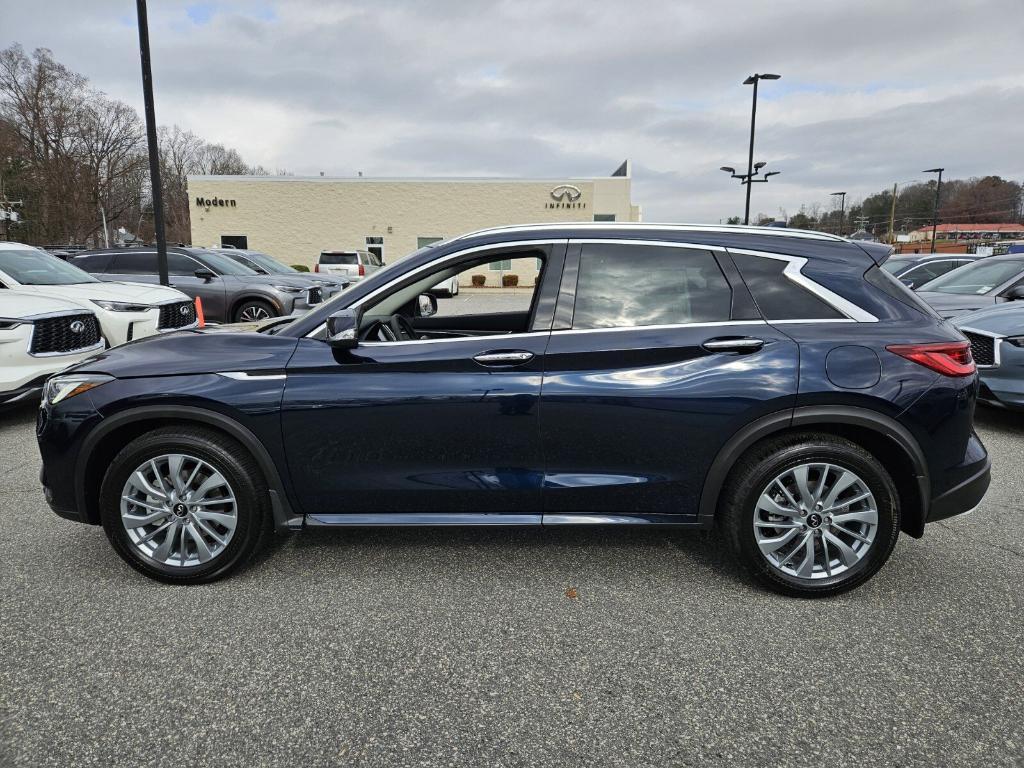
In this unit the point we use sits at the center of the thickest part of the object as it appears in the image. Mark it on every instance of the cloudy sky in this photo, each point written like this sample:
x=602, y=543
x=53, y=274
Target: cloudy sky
x=872, y=91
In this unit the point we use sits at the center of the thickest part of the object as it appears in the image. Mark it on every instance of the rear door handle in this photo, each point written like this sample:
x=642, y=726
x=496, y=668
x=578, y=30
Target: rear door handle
x=745, y=344
x=517, y=357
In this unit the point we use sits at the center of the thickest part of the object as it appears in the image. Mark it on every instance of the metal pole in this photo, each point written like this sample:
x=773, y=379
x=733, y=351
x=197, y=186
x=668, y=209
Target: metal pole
x=154, y=154
x=750, y=156
x=842, y=213
x=892, y=217
x=935, y=209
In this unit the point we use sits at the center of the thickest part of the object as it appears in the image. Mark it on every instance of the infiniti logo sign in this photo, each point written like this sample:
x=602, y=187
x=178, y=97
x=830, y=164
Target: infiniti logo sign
x=566, y=196
x=77, y=326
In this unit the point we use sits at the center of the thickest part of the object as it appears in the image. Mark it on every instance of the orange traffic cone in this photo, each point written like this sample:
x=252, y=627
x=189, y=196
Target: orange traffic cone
x=199, y=312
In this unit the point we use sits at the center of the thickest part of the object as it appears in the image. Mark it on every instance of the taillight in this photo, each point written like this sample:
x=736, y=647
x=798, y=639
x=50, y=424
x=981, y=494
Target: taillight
x=362, y=271
x=948, y=358
x=316, y=267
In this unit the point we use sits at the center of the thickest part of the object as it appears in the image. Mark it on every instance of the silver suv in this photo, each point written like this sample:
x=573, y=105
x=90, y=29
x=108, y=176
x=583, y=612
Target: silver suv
x=230, y=292
x=354, y=265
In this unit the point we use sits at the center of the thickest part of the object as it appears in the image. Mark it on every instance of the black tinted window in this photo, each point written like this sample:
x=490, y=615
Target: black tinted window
x=179, y=264
x=133, y=263
x=778, y=297
x=635, y=285
x=338, y=258
x=95, y=263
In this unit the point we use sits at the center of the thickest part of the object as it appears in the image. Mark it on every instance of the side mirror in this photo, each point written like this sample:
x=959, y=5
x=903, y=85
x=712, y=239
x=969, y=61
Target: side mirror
x=1014, y=294
x=343, y=329
x=426, y=305
x=205, y=274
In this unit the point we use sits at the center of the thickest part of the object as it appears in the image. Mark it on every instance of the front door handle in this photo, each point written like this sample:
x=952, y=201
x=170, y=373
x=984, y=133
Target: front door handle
x=517, y=357
x=745, y=344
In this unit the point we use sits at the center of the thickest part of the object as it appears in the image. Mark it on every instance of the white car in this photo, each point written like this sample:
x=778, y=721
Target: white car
x=40, y=336
x=125, y=311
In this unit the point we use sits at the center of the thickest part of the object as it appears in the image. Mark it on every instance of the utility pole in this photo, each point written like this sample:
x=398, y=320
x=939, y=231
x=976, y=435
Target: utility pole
x=892, y=217
x=154, y=152
x=935, y=209
x=842, y=209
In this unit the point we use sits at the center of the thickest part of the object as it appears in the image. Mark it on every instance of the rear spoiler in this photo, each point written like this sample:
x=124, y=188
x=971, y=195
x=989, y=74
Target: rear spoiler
x=879, y=252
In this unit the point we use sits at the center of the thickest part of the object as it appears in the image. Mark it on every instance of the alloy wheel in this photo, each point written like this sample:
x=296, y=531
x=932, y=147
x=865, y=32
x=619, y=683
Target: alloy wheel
x=252, y=313
x=815, y=521
x=178, y=510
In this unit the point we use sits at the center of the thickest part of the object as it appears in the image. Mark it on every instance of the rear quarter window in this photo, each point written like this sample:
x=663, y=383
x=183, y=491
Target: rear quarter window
x=891, y=286
x=778, y=297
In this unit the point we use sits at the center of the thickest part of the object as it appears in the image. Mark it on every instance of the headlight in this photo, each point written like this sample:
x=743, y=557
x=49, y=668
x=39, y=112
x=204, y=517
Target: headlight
x=62, y=387
x=1017, y=341
x=120, y=306
x=290, y=289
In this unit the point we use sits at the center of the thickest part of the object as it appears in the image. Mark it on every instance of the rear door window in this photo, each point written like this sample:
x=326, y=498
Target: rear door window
x=778, y=297
x=631, y=285
x=95, y=263
x=133, y=263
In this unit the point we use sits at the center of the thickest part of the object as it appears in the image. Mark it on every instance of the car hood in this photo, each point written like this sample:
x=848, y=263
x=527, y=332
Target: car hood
x=954, y=304
x=18, y=305
x=82, y=293
x=193, y=352
x=1002, y=319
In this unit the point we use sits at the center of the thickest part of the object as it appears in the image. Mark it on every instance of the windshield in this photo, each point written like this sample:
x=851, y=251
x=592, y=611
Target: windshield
x=268, y=263
x=977, y=278
x=222, y=265
x=33, y=267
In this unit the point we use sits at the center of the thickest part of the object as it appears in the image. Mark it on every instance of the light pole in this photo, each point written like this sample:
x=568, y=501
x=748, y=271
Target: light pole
x=935, y=208
x=753, y=80
x=154, y=152
x=842, y=209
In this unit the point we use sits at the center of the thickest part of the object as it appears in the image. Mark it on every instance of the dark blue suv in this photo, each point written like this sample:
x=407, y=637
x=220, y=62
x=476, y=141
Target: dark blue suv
x=774, y=383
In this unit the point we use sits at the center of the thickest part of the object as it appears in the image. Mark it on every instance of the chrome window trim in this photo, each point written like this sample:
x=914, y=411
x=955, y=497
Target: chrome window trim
x=246, y=376
x=793, y=271
x=997, y=343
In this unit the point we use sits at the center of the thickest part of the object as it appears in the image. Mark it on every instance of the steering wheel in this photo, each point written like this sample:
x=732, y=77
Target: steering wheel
x=395, y=328
x=402, y=328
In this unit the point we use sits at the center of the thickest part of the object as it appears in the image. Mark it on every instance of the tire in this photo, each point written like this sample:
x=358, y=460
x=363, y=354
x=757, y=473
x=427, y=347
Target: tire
x=747, y=518
x=249, y=515
x=252, y=310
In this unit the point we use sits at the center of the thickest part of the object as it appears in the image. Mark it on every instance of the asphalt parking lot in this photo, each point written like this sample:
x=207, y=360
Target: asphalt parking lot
x=508, y=647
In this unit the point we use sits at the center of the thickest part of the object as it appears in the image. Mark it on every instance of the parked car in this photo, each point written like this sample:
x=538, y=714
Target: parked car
x=772, y=382
x=125, y=311
x=985, y=282
x=997, y=344
x=40, y=336
x=230, y=292
x=916, y=270
x=353, y=265
x=268, y=265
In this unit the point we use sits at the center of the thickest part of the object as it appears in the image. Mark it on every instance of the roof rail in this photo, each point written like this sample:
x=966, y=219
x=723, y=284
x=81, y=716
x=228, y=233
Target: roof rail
x=770, y=231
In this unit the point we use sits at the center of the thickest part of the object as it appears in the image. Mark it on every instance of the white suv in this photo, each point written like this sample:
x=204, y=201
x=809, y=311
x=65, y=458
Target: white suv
x=40, y=336
x=125, y=311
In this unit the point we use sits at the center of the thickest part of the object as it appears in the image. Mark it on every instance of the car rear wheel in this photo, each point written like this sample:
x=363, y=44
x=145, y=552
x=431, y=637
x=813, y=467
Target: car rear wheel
x=810, y=515
x=184, y=505
x=253, y=311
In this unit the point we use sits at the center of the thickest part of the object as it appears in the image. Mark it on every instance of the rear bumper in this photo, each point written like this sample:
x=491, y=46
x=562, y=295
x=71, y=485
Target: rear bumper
x=964, y=497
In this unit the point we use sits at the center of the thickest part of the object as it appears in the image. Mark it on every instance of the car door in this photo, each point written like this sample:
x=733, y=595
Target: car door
x=657, y=357
x=212, y=291
x=435, y=426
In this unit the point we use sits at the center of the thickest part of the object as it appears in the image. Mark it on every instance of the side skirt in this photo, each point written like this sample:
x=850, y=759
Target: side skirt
x=392, y=520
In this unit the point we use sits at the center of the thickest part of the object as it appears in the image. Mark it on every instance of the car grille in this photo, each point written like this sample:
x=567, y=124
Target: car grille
x=66, y=333
x=983, y=348
x=315, y=296
x=176, y=315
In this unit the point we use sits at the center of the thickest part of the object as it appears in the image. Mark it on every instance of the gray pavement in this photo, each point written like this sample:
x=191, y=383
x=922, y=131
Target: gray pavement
x=462, y=648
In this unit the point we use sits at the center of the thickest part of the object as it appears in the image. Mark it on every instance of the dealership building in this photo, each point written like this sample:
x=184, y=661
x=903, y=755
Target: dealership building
x=294, y=218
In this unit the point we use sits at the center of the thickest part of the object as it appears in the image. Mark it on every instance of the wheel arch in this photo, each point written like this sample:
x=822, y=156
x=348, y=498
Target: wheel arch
x=116, y=431
x=882, y=436
x=251, y=295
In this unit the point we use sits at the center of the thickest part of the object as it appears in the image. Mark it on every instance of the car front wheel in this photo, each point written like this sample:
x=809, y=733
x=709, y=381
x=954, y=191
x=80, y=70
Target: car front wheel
x=184, y=505
x=810, y=515
x=253, y=311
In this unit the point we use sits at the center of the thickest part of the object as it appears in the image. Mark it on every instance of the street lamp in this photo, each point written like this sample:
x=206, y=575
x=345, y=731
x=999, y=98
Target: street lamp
x=753, y=80
x=842, y=209
x=935, y=208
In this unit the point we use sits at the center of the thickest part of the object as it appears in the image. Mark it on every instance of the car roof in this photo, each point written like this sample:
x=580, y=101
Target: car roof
x=635, y=227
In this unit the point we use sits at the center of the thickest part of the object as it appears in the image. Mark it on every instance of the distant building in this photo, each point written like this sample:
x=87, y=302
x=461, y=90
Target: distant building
x=952, y=232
